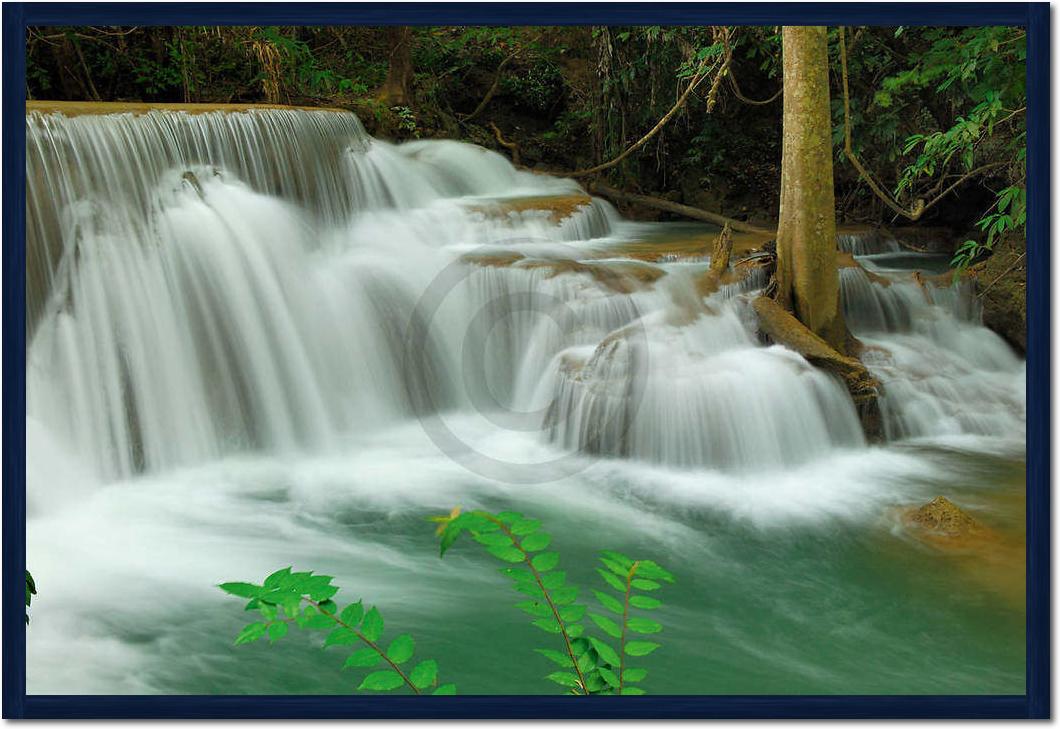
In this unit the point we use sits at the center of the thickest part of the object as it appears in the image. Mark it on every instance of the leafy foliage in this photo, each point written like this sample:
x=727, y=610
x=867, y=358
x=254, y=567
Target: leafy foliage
x=31, y=589
x=589, y=664
x=306, y=601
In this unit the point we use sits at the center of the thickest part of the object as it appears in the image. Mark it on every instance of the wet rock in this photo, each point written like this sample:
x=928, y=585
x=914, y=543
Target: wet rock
x=1002, y=284
x=622, y=278
x=493, y=260
x=943, y=517
x=559, y=207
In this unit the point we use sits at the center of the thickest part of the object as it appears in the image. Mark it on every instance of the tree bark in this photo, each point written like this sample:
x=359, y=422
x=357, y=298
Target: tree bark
x=395, y=90
x=807, y=273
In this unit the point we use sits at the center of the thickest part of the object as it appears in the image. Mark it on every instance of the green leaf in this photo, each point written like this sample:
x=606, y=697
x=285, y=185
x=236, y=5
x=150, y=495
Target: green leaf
x=572, y=613
x=565, y=595
x=564, y=679
x=609, y=654
x=609, y=602
x=509, y=517
x=362, y=658
x=519, y=574
x=645, y=584
x=633, y=691
x=381, y=681
x=401, y=648
x=446, y=689
x=640, y=647
x=595, y=682
x=251, y=633
x=549, y=625
x=322, y=594
x=618, y=557
x=534, y=608
x=610, y=579
x=328, y=606
x=545, y=561
x=318, y=621
x=493, y=539
x=525, y=526
x=575, y=630
x=649, y=569
x=277, y=631
x=372, y=627
x=340, y=636
x=552, y=580
x=615, y=568
x=424, y=674
x=634, y=674
x=643, y=625
x=560, y=659
x=277, y=578
x=449, y=535
x=644, y=602
x=241, y=589
x=536, y=542
x=352, y=613
x=609, y=676
x=607, y=625
x=507, y=553
x=587, y=661
x=531, y=589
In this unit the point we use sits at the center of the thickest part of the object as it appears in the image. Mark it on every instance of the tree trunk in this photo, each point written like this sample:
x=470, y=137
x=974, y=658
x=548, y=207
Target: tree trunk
x=395, y=90
x=807, y=273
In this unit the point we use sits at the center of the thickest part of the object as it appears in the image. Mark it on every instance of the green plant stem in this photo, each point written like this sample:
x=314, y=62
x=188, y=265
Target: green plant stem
x=548, y=598
x=625, y=618
x=369, y=643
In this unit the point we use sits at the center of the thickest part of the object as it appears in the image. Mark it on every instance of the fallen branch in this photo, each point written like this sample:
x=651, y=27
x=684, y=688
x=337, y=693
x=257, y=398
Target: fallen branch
x=510, y=146
x=686, y=211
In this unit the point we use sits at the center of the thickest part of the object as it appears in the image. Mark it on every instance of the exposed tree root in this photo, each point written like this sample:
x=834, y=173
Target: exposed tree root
x=510, y=146
x=782, y=327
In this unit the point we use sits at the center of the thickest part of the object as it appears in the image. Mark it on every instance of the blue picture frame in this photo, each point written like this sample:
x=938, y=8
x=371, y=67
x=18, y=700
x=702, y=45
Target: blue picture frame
x=1035, y=704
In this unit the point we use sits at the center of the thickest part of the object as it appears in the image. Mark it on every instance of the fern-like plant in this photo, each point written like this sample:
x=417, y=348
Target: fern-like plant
x=305, y=600
x=591, y=665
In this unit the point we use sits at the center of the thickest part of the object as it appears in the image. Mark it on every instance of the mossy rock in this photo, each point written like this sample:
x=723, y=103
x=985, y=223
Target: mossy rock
x=943, y=517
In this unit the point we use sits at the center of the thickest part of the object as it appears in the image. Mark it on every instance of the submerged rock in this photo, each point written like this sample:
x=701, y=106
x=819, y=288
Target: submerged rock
x=942, y=517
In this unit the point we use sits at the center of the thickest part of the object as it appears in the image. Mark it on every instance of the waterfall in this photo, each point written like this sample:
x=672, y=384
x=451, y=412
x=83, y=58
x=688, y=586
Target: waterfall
x=201, y=285
x=869, y=242
x=943, y=372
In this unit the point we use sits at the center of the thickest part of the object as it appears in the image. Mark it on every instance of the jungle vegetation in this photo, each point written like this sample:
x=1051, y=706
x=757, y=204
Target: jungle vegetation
x=910, y=125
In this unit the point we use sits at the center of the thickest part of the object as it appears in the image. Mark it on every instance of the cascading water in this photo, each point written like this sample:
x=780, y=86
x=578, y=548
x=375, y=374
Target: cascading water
x=238, y=320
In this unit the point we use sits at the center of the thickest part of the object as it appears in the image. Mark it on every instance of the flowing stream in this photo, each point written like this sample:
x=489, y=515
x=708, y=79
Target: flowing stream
x=264, y=338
